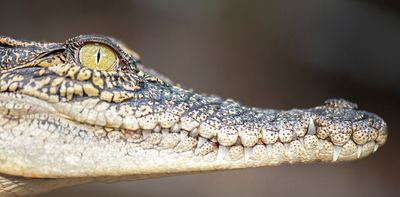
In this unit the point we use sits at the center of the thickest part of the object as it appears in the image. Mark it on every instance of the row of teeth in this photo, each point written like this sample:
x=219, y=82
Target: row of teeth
x=98, y=114
x=94, y=112
x=104, y=115
x=310, y=144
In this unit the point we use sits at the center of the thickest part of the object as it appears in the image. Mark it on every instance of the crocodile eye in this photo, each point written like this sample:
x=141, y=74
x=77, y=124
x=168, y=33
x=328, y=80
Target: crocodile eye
x=97, y=56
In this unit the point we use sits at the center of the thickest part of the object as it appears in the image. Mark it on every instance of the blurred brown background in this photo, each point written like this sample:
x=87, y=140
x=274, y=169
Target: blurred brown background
x=280, y=54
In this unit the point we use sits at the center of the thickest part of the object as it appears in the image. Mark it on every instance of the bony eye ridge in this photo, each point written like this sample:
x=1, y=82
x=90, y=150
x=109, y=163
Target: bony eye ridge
x=97, y=56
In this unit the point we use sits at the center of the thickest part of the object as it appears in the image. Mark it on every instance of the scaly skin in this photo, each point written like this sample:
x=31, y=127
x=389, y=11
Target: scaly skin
x=61, y=120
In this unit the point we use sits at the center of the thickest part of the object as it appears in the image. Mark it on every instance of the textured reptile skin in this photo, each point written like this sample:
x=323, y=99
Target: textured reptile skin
x=62, y=120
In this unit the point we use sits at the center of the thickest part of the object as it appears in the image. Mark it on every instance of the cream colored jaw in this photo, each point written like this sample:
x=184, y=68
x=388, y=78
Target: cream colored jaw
x=170, y=143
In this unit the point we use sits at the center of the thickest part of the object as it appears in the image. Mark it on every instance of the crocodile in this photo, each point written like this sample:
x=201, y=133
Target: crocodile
x=88, y=110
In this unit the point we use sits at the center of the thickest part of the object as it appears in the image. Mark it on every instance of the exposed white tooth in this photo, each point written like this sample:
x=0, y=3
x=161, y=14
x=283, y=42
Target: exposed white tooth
x=238, y=142
x=201, y=141
x=287, y=146
x=359, y=150
x=301, y=142
x=376, y=147
x=222, y=150
x=247, y=153
x=269, y=150
x=165, y=132
x=175, y=128
x=157, y=129
x=336, y=152
x=184, y=134
x=146, y=133
x=194, y=133
x=311, y=127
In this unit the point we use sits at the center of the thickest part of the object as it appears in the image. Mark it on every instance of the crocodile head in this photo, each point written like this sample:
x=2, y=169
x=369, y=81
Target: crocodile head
x=89, y=108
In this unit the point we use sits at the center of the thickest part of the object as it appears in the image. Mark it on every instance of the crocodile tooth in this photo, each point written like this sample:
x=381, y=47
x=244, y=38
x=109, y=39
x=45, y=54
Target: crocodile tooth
x=157, y=129
x=247, y=153
x=311, y=127
x=301, y=140
x=336, y=152
x=201, y=141
x=359, y=150
x=146, y=133
x=108, y=129
x=222, y=151
x=376, y=147
x=269, y=150
x=194, y=133
x=287, y=147
x=184, y=134
x=175, y=128
x=238, y=142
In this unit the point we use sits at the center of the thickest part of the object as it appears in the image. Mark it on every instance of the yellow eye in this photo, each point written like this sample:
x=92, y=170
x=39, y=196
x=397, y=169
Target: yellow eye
x=97, y=56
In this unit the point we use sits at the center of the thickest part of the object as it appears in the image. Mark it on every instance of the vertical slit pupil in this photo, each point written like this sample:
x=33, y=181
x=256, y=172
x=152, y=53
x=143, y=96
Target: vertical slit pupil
x=98, y=56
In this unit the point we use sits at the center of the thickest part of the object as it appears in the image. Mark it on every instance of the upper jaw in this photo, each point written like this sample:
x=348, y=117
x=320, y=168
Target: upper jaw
x=187, y=131
x=341, y=132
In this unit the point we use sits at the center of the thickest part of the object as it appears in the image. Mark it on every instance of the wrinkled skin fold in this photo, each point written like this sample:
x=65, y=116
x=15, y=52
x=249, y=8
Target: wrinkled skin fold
x=74, y=124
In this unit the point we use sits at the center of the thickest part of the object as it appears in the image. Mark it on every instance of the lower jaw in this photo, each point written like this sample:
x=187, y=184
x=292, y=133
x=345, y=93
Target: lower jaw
x=75, y=150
